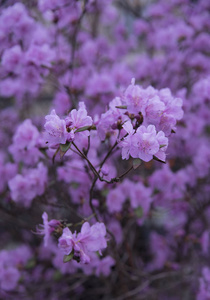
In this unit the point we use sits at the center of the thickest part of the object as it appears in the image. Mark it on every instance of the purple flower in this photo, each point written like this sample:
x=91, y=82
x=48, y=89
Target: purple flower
x=9, y=277
x=173, y=105
x=69, y=268
x=40, y=55
x=21, y=190
x=93, y=237
x=55, y=130
x=154, y=110
x=73, y=171
x=172, y=112
x=140, y=196
x=90, y=239
x=167, y=123
x=38, y=179
x=12, y=59
x=61, y=103
x=31, y=79
x=126, y=144
x=108, y=121
x=28, y=156
x=104, y=265
x=25, y=141
x=10, y=87
x=135, y=98
x=20, y=255
x=115, y=200
x=159, y=257
x=24, y=188
x=163, y=144
x=115, y=227
x=67, y=241
x=78, y=119
x=7, y=172
x=144, y=143
x=202, y=160
x=99, y=84
x=47, y=228
x=26, y=135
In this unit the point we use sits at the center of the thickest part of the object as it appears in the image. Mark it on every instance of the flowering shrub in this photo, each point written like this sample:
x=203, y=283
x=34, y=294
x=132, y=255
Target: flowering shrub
x=105, y=149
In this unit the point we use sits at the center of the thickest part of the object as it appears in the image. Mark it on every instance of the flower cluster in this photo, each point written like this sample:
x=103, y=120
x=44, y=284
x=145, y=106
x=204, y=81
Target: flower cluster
x=25, y=187
x=120, y=165
x=59, y=131
x=12, y=262
x=144, y=143
x=26, y=142
x=26, y=52
x=90, y=239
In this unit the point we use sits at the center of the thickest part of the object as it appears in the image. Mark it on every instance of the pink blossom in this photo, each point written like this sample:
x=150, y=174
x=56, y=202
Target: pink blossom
x=144, y=143
x=12, y=59
x=55, y=130
x=47, y=228
x=115, y=200
x=67, y=241
x=78, y=119
x=90, y=239
x=126, y=143
x=135, y=98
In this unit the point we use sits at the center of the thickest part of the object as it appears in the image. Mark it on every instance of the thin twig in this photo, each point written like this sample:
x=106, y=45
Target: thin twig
x=107, y=156
x=126, y=172
x=91, y=198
